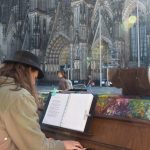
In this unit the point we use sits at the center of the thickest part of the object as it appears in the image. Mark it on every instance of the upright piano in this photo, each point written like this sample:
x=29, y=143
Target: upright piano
x=120, y=123
x=109, y=134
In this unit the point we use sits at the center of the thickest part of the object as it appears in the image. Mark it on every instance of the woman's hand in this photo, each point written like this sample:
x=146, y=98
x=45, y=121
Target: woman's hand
x=73, y=145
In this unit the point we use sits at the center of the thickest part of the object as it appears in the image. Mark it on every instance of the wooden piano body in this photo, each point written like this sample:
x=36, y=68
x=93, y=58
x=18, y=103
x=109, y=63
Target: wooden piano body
x=109, y=134
x=115, y=133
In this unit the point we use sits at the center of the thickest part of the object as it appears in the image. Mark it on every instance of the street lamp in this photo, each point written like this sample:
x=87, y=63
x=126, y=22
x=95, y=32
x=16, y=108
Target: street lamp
x=71, y=61
x=138, y=35
x=100, y=50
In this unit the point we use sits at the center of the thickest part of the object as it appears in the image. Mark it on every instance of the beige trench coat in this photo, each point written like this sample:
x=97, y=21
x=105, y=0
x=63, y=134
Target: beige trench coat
x=19, y=127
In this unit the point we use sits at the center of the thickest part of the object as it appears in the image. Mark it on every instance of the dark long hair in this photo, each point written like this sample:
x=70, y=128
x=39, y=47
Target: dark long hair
x=20, y=74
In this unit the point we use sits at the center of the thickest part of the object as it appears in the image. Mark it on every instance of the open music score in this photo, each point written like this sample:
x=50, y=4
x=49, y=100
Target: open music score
x=70, y=111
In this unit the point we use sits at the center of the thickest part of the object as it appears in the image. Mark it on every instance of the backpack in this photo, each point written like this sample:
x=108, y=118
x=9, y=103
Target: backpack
x=69, y=83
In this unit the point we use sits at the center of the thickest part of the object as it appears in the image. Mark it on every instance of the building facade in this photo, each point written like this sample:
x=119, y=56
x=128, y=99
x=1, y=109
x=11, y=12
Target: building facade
x=124, y=35
x=82, y=37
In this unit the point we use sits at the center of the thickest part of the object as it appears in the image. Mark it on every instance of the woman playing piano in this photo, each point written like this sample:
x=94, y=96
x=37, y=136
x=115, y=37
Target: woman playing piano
x=19, y=127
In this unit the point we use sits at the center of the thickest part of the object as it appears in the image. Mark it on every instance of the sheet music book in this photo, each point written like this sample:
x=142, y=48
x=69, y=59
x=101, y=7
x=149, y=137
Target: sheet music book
x=70, y=111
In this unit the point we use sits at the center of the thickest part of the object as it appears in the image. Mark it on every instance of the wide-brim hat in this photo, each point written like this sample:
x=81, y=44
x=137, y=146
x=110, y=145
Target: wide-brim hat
x=26, y=58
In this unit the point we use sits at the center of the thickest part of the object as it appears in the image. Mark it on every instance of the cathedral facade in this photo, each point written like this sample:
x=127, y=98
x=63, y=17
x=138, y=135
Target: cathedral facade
x=70, y=34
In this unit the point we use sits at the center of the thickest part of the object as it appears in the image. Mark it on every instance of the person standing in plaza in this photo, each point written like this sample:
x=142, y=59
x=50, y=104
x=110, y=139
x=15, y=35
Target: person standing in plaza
x=62, y=85
x=19, y=126
x=89, y=81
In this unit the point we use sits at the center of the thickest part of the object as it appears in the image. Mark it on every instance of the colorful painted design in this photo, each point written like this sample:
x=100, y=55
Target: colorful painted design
x=44, y=95
x=54, y=91
x=118, y=106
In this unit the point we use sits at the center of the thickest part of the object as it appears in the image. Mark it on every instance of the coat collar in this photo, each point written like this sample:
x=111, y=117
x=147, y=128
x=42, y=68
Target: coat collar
x=6, y=81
